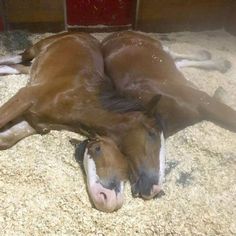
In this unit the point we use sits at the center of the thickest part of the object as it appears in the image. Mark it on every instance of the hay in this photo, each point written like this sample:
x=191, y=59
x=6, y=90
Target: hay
x=42, y=190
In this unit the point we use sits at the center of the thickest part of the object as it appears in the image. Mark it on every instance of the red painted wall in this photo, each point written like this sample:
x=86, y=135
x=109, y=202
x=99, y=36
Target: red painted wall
x=95, y=12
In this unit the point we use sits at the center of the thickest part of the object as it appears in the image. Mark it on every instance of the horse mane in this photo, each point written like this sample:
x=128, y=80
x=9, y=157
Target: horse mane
x=112, y=100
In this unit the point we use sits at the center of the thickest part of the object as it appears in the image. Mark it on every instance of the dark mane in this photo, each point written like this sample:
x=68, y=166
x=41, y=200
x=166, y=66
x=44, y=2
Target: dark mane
x=112, y=100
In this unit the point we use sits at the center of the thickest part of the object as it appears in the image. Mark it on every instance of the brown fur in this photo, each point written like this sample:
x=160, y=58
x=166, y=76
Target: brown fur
x=65, y=84
x=139, y=67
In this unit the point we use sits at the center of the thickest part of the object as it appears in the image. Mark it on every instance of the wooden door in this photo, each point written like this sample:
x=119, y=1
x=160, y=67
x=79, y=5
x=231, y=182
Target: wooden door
x=99, y=13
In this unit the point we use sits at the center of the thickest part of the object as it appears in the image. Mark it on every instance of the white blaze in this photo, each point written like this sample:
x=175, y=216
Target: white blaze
x=162, y=160
x=90, y=168
x=104, y=199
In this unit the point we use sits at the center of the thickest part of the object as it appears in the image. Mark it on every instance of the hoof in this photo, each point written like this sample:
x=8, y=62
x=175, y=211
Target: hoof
x=220, y=94
x=223, y=65
x=204, y=55
x=4, y=146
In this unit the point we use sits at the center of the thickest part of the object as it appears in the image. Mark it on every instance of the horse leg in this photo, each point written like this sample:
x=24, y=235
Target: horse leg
x=14, y=69
x=218, y=64
x=201, y=55
x=16, y=106
x=210, y=108
x=10, y=59
x=28, y=55
x=201, y=59
x=12, y=64
x=14, y=134
x=219, y=113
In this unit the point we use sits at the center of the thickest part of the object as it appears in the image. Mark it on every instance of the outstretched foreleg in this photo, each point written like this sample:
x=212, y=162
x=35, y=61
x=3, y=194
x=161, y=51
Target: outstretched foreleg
x=15, y=64
x=10, y=59
x=213, y=110
x=201, y=55
x=15, y=133
x=16, y=106
x=218, y=64
x=14, y=69
x=201, y=59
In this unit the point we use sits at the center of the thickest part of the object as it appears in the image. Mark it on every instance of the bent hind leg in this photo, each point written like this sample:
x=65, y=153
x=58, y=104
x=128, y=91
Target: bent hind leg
x=218, y=64
x=201, y=55
x=15, y=133
x=13, y=64
x=28, y=55
x=10, y=59
x=14, y=69
x=201, y=59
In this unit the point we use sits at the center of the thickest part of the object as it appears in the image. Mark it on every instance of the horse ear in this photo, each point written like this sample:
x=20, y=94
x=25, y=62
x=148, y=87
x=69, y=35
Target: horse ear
x=152, y=111
x=161, y=123
x=74, y=142
x=80, y=147
x=152, y=105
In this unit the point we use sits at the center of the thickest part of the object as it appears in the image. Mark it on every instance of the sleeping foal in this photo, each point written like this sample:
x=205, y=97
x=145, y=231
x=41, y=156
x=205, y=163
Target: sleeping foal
x=66, y=79
x=140, y=68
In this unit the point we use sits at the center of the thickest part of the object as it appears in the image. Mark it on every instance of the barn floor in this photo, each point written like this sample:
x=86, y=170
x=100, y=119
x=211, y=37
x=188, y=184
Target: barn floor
x=42, y=189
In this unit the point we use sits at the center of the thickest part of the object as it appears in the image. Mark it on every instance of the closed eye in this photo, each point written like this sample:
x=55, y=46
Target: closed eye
x=152, y=134
x=96, y=150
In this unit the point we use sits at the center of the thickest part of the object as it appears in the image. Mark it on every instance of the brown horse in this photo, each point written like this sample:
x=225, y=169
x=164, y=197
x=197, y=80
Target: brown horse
x=66, y=80
x=140, y=68
x=106, y=170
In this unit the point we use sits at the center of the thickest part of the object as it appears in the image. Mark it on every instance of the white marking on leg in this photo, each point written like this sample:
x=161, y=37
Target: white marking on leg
x=199, y=56
x=18, y=128
x=8, y=70
x=15, y=133
x=10, y=59
x=219, y=64
x=188, y=63
x=162, y=154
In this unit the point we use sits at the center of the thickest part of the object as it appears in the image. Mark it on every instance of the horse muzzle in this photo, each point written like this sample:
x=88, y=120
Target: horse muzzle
x=147, y=185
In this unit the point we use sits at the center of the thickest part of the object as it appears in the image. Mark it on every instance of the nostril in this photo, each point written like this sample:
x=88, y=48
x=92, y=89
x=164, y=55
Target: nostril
x=156, y=189
x=135, y=194
x=146, y=186
x=103, y=195
x=113, y=184
x=160, y=194
x=134, y=190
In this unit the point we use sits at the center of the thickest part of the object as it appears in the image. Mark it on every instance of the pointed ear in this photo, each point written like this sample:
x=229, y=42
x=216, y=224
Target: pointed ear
x=80, y=147
x=161, y=123
x=75, y=142
x=152, y=111
x=176, y=104
x=152, y=105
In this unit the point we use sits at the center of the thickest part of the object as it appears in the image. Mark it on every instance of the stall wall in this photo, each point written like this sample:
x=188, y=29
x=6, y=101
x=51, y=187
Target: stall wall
x=179, y=15
x=99, y=15
x=97, y=12
x=35, y=16
x=230, y=24
x=2, y=27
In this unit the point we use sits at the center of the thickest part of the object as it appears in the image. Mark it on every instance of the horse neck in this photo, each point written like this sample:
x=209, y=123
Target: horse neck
x=112, y=124
x=116, y=123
